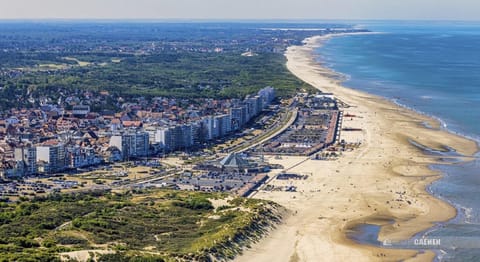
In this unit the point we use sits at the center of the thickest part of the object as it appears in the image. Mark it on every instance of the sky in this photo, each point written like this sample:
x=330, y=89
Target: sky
x=241, y=9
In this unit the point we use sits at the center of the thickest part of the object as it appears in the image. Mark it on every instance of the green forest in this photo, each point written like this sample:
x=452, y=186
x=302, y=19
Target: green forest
x=49, y=62
x=183, y=75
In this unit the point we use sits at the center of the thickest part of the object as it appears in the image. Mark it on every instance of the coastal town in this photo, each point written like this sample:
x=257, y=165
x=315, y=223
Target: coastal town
x=51, y=149
x=80, y=138
x=204, y=131
x=50, y=140
x=128, y=132
x=235, y=143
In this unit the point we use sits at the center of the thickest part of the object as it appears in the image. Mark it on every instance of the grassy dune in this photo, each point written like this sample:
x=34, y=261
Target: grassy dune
x=157, y=225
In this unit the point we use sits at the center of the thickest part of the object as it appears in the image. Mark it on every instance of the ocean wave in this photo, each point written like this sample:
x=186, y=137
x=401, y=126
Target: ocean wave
x=329, y=64
x=344, y=77
x=441, y=254
x=465, y=214
x=441, y=36
x=467, y=211
x=426, y=97
x=443, y=124
x=446, y=125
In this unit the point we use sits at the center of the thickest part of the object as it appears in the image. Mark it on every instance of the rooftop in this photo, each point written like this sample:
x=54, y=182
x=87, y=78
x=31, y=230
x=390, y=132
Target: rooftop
x=234, y=160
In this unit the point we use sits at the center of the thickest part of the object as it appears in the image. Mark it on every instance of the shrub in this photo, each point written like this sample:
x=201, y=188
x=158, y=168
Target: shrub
x=196, y=203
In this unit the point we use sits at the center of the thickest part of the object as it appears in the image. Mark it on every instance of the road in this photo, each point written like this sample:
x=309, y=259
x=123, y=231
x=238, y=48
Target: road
x=290, y=119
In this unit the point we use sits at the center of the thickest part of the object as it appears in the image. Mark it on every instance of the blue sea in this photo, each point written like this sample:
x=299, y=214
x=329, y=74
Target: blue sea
x=434, y=68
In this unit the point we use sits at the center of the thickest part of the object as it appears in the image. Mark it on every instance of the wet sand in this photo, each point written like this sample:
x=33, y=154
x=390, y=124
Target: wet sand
x=382, y=182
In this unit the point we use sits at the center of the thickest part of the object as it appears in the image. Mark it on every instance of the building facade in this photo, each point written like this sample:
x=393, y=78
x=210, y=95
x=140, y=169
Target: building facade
x=28, y=157
x=53, y=156
x=131, y=144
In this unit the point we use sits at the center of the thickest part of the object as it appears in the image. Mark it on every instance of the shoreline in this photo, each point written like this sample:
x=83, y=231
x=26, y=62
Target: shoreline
x=318, y=41
x=386, y=178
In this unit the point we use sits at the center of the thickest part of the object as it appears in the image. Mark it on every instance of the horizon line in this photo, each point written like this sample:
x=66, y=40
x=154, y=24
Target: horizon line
x=247, y=20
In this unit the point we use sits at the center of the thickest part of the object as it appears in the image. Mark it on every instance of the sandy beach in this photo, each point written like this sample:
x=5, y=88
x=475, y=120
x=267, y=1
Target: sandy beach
x=382, y=182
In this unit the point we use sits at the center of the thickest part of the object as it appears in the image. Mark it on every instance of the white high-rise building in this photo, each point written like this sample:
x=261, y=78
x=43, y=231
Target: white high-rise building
x=223, y=124
x=53, y=156
x=28, y=156
x=132, y=144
